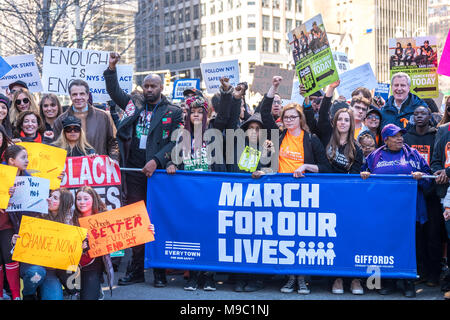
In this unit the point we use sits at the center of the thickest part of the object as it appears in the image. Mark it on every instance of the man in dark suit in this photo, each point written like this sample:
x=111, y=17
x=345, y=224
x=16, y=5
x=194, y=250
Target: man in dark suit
x=144, y=142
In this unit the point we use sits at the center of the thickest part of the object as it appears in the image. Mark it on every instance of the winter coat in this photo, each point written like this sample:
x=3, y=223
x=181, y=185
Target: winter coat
x=404, y=118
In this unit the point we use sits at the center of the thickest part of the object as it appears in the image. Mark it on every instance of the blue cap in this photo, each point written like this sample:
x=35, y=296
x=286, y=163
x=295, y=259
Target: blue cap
x=391, y=130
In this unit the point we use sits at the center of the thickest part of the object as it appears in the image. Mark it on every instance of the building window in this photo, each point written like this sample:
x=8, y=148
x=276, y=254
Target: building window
x=180, y=36
x=288, y=4
x=213, y=28
x=251, y=3
x=276, y=24
x=203, y=30
x=220, y=6
x=203, y=51
x=238, y=23
x=266, y=23
x=265, y=45
x=276, y=4
x=288, y=25
x=180, y=16
x=239, y=45
x=187, y=14
x=251, y=25
x=167, y=39
x=213, y=9
x=173, y=37
x=203, y=9
x=230, y=47
x=298, y=6
x=167, y=57
x=220, y=27
x=197, y=53
x=276, y=45
x=230, y=4
x=196, y=11
x=187, y=34
x=220, y=49
x=230, y=24
x=195, y=33
x=298, y=23
x=265, y=3
x=172, y=17
x=174, y=57
x=251, y=67
x=213, y=46
x=251, y=44
x=166, y=19
x=166, y=3
x=188, y=54
x=181, y=55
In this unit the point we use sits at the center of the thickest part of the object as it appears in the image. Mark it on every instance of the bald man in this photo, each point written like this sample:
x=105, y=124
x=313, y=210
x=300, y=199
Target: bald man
x=144, y=142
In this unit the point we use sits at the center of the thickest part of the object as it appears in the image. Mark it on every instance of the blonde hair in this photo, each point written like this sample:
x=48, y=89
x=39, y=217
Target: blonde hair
x=13, y=112
x=82, y=143
x=299, y=110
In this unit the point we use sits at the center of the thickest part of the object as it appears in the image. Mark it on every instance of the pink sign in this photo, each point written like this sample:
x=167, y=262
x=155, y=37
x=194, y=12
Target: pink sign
x=444, y=64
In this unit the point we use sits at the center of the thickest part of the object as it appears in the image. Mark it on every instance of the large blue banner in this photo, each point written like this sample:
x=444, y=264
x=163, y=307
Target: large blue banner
x=323, y=224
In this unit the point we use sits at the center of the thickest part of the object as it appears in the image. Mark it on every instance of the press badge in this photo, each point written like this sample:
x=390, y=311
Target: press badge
x=143, y=142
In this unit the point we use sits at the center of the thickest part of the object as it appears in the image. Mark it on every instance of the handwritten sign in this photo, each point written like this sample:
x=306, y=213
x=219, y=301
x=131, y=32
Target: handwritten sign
x=24, y=68
x=49, y=244
x=48, y=161
x=361, y=76
x=212, y=72
x=262, y=80
x=63, y=65
x=97, y=84
x=183, y=84
x=117, y=229
x=7, y=178
x=341, y=62
x=30, y=194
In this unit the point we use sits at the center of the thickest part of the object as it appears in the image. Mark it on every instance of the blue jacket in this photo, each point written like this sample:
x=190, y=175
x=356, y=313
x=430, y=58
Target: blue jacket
x=390, y=112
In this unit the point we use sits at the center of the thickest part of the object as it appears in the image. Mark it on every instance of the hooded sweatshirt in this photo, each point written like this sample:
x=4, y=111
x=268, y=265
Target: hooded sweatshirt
x=424, y=144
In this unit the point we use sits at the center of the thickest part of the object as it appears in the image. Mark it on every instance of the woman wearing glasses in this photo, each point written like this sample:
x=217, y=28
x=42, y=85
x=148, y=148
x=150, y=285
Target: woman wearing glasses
x=22, y=101
x=300, y=152
x=74, y=139
x=372, y=123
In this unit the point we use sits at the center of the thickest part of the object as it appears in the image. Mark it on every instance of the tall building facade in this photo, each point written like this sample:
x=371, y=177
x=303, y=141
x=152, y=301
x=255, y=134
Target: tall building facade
x=439, y=25
x=179, y=35
x=362, y=28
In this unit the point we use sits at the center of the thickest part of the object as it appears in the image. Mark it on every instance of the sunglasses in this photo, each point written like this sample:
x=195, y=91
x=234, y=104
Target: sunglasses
x=72, y=129
x=19, y=102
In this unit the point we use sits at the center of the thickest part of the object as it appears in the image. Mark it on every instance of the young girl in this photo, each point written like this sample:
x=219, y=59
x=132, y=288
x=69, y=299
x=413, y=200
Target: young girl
x=14, y=156
x=87, y=203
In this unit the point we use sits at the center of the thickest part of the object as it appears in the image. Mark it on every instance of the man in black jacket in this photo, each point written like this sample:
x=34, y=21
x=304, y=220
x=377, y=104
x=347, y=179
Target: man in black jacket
x=144, y=142
x=428, y=236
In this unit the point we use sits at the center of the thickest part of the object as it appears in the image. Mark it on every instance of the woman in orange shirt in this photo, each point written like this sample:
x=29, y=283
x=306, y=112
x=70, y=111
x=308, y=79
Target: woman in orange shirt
x=300, y=152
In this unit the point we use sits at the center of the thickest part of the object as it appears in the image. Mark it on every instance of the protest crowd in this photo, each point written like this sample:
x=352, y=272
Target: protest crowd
x=144, y=130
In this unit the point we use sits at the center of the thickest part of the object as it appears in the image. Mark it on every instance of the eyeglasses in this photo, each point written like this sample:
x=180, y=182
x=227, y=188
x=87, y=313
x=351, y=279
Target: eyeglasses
x=277, y=102
x=19, y=102
x=72, y=129
x=290, y=118
x=373, y=117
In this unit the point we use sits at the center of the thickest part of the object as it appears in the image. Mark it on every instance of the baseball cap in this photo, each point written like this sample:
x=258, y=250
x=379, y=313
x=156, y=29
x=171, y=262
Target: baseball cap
x=18, y=83
x=192, y=91
x=391, y=130
x=71, y=121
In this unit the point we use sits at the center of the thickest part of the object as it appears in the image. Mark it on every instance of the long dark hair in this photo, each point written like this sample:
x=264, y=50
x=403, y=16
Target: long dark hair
x=53, y=98
x=11, y=152
x=333, y=145
x=6, y=123
x=65, y=206
x=5, y=143
x=196, y=102
x=97, y=204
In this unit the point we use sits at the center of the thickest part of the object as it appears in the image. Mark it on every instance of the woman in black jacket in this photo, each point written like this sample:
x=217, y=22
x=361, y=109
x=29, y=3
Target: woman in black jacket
x=73, y=139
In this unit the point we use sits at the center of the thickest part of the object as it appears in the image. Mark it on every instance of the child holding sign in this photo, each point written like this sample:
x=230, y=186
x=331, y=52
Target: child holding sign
x=87, y=203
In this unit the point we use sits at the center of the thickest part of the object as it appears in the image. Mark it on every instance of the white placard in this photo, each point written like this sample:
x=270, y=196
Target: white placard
x=97, y=85
x=212, y=72
x=62, y=65
x=30, y=194
x=361, y=76
x=341, y=62
x=24, y=68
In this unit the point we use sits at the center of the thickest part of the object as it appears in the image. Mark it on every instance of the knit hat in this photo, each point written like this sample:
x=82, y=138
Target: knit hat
x=4, y=99
x=256, y=117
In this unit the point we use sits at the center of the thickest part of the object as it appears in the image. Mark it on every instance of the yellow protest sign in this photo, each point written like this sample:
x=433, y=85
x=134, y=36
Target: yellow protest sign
x=7, y=177
x=49, y=244
x=47, y=160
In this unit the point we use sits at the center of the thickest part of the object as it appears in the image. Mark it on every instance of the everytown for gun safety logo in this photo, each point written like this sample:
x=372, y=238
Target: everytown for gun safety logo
x=182, y=250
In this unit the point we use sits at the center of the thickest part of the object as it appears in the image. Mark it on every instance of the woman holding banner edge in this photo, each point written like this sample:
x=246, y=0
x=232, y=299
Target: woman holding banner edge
x=399, y=158
x=300, y=152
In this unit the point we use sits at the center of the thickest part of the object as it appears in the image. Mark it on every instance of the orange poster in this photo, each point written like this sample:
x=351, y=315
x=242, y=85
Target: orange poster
x=117, y=229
